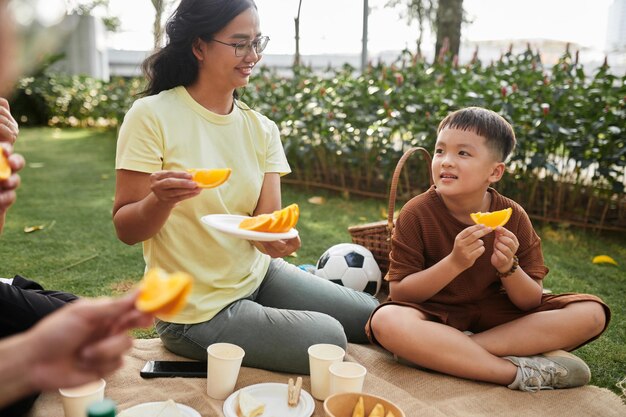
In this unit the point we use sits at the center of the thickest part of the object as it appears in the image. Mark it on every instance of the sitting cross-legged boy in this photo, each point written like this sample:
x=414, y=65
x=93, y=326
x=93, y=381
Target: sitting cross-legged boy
x=467, y=300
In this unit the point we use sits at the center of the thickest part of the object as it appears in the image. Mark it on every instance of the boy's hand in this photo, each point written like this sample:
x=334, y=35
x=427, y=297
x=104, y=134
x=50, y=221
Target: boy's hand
x=468, y=246
x=505, y=246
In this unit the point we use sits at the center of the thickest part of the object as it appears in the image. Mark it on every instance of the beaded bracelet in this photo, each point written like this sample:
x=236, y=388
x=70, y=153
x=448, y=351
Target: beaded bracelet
x=510, y=271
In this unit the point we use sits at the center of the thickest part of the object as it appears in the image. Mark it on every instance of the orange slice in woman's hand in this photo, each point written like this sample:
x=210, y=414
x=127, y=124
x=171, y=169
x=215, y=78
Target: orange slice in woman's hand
x=493, y=219
x=5, y=168
x=163, y=294
x=210, y=178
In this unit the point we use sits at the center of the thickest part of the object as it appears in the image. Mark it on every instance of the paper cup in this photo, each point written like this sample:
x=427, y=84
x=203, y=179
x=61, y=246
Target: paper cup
x=321, y=356
x=346, y=377
x=77, y=399
x=223, y=364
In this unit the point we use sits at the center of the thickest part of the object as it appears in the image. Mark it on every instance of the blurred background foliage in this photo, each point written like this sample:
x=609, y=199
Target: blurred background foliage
x=345, y=130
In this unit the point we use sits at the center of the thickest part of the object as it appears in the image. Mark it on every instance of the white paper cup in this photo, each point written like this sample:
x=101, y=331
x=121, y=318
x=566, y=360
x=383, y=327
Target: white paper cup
x=346, y=377
x=77, y=399
x=223, y=364
x=321, y=356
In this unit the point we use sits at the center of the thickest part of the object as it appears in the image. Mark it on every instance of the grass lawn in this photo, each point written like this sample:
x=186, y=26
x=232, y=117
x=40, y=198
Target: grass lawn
x=68, y=186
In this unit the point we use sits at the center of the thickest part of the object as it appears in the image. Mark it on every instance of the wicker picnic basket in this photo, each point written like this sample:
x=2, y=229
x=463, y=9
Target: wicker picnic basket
x=377, y=236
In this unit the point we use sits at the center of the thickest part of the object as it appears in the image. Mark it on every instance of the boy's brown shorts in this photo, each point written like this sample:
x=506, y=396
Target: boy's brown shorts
x=490, y=312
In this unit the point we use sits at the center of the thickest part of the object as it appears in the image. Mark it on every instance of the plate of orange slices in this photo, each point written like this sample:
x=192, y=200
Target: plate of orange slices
x=265, y=227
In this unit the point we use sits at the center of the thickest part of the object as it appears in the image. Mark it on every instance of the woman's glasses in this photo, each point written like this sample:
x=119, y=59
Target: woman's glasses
x=243, y=48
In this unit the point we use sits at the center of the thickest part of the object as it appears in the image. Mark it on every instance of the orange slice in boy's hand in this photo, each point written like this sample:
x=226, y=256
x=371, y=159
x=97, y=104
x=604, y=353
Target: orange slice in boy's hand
x=210, y=178
x=493, y=219
x=5, y=168
x=163, y=294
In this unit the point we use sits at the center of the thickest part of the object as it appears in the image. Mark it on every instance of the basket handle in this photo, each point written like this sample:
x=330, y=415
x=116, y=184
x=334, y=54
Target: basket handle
x=394, y=182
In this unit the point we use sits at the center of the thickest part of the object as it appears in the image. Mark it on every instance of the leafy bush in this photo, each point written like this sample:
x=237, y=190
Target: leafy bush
x=73, y=100
x=346, y=130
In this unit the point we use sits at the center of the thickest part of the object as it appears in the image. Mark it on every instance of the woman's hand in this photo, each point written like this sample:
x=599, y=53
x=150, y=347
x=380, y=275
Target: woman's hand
x=172, y=187
x=279, y=248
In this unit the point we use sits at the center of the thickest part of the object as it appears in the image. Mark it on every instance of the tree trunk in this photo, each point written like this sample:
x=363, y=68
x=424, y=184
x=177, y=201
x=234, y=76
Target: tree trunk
x=296, y=20
x=159, y=6
x=448, y=25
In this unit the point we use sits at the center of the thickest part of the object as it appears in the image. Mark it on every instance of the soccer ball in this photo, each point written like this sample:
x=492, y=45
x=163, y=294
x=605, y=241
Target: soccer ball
x=350, y=265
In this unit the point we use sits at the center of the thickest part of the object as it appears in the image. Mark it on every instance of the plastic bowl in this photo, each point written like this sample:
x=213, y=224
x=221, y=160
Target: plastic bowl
x=342, y=404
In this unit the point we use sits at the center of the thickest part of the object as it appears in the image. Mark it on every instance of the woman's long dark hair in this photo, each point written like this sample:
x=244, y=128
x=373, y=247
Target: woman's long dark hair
x=175, y=64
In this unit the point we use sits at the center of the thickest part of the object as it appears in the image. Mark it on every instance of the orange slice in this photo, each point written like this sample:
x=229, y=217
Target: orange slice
x=163, y=294
x=493, y=219
x=210, y=178
x=260, y=223
x=5, y=168
x=280, y=221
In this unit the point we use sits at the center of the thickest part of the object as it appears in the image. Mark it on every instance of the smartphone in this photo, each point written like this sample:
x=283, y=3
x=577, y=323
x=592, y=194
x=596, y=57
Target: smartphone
x=164, y=369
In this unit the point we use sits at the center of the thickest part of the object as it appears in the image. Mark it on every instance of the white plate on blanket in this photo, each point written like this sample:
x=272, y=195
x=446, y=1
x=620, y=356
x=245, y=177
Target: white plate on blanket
x=153, y=408
x=229, y=223
x=274, y=395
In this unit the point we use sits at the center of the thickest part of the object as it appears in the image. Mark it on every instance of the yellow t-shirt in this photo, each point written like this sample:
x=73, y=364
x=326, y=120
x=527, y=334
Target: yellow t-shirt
x=171, y=131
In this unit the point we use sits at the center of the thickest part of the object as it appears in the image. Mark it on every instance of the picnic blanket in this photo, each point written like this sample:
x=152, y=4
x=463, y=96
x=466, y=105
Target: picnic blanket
x=417, y=392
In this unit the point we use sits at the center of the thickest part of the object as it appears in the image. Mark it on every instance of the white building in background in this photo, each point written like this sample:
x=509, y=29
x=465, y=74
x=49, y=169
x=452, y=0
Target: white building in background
x=616, y=30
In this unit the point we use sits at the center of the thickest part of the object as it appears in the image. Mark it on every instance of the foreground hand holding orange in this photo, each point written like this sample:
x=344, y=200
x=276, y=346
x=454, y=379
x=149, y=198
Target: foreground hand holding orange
x=5, y=168
x=163, y=294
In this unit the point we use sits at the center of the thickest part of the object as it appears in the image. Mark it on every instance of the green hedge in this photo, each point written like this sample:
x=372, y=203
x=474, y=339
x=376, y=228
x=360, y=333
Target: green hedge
x=347, y=130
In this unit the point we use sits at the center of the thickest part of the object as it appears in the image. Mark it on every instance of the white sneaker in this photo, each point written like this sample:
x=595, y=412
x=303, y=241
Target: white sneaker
x=556, y=369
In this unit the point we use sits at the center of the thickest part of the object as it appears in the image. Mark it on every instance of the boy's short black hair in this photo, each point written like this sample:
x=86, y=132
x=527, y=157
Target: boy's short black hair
x=486, y=123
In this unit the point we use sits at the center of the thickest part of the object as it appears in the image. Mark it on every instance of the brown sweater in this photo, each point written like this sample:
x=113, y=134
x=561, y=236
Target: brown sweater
x=425, y=233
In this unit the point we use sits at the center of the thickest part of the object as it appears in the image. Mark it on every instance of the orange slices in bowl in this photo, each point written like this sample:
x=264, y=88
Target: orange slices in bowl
x=280, y=221
x=163, y=294
x=492, y=219
x=210, y=178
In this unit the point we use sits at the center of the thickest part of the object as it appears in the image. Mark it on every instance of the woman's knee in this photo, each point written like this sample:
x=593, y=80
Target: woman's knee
x=329, y=330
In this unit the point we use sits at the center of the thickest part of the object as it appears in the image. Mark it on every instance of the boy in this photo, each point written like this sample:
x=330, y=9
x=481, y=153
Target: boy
x=448, y=276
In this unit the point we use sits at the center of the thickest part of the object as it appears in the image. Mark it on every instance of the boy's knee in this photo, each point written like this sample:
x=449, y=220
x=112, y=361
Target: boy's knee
x=382, y=321
x=597, y=317
x=592, y=317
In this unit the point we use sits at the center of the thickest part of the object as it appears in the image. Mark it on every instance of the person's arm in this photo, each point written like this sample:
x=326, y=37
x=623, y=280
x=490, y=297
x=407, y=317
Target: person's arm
x=523, y=291
x=143, y=202
x=270, y=201
x=421, y=286
x=72, y=346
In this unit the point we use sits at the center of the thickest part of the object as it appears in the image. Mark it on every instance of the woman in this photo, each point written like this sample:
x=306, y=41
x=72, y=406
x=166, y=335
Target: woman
x=190, y=118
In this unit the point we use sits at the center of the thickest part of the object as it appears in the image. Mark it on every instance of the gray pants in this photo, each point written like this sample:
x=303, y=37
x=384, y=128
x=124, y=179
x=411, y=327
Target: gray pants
x=290, y=311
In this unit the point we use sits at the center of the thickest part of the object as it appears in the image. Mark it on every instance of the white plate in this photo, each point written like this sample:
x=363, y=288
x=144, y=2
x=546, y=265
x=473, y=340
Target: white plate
x=274, y=395
x=229, y=223
x=151, y=409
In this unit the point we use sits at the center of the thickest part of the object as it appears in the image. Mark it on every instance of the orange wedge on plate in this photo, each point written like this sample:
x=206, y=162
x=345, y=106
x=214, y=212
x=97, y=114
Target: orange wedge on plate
x=163, y=294
x=5, y=168
x=280, y=221
x=260, y=223
x=493, y=219
x=210, y=178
